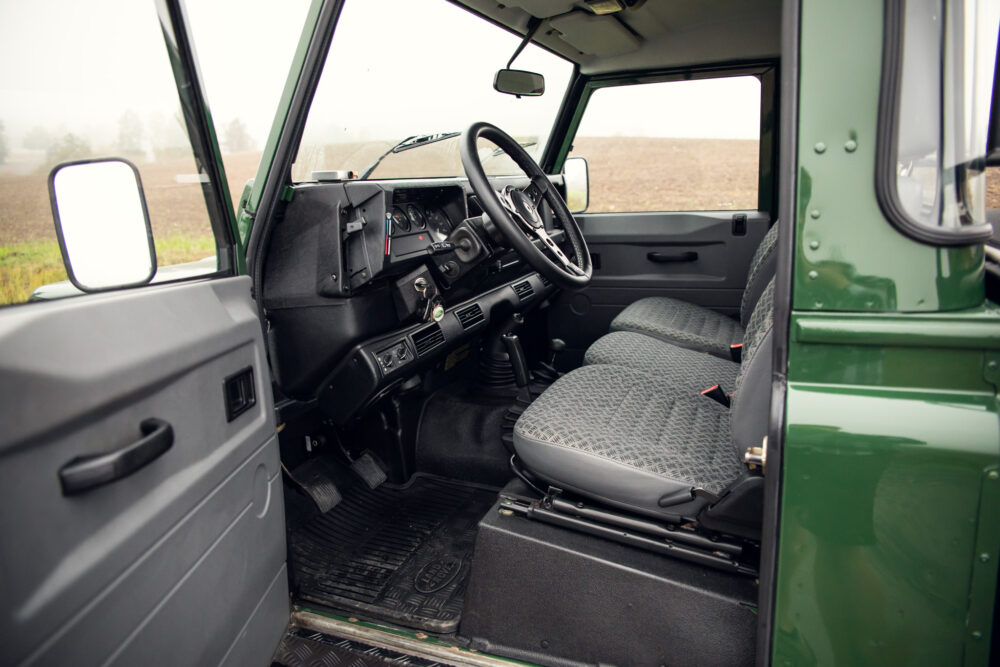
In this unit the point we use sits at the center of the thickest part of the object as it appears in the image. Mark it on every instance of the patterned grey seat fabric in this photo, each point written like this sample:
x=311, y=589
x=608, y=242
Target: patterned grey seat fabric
x=614, y=434
x=681, y=323
x=644, y=441
x=684, y=370
x=696, y=327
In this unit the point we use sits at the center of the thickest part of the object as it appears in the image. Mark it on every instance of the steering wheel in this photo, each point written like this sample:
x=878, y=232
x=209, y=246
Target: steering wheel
x=515, y=211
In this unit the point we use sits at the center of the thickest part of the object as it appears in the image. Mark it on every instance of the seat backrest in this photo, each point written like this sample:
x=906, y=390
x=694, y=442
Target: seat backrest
x=762, y=269
x=750, y=413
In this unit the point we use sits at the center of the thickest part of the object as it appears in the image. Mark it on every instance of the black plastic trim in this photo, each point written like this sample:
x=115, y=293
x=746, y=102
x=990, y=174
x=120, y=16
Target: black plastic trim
x=787, y=185
x=358, y=380
x=279, y=174
x=887, y=147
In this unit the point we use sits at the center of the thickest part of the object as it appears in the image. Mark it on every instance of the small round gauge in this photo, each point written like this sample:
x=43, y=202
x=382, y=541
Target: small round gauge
x=416, y=217
x=438, y=223
x=399, y=220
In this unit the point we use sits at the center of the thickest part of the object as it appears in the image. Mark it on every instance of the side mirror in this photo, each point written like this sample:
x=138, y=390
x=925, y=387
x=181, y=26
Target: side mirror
x=519, y=82
x=576, y=178
x=102, y=224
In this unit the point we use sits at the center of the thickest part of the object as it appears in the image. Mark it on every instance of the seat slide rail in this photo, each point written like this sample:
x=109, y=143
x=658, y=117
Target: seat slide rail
x=668, y=540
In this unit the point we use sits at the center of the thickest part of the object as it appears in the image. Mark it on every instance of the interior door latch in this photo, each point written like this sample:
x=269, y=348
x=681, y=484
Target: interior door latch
x=239, y=393
x=740, y=224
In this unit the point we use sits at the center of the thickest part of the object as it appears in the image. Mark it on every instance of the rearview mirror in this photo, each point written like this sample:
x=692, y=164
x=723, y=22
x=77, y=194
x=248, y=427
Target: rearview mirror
x=519, y=82
x=102, y=224
x=576, y=179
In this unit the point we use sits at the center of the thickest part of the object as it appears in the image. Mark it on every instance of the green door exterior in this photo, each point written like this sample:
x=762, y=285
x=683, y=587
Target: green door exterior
x=890, y=502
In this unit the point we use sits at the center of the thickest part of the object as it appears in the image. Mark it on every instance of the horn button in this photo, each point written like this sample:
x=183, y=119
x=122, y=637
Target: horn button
x=523, y=206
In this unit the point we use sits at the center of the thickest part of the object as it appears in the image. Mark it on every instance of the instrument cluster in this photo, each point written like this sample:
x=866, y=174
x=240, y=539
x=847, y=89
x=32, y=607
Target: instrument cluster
x=414, y=218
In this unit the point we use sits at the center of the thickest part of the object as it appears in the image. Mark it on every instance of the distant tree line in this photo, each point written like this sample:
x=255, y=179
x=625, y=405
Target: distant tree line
x=165, y=139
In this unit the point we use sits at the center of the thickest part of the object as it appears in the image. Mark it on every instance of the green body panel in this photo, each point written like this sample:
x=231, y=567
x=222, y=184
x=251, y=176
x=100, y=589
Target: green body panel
x=848, y=256
x=881, y=511
x=890, y=520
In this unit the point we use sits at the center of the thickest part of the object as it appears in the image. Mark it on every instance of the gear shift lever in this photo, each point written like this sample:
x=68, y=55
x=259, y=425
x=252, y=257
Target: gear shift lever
x=517, y=361
x=556, y=345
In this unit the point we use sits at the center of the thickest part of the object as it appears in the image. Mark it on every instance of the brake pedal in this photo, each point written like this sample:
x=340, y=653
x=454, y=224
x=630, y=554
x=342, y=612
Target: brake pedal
x=313, y=479
x=370, y=472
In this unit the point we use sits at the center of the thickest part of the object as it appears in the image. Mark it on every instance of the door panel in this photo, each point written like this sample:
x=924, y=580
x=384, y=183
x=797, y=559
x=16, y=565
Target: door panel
x=180, y=559
x=707, y=264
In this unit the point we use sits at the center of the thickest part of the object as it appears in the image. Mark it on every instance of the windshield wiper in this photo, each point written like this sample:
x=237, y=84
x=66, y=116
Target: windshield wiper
x=416, y=141
x=524, y=144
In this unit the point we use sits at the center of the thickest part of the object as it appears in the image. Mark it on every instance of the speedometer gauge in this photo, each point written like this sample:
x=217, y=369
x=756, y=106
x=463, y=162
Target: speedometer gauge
x=399, y=220
x=416, y=217
x=439, y=224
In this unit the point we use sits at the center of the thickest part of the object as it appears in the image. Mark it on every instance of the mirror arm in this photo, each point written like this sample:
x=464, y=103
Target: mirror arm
x=533, y=25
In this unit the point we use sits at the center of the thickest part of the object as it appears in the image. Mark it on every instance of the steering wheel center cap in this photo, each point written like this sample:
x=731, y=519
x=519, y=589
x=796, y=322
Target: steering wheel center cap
x=524, y=207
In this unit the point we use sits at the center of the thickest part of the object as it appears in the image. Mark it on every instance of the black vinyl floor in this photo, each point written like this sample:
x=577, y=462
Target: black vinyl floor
x=399, y=554
x=459, y=436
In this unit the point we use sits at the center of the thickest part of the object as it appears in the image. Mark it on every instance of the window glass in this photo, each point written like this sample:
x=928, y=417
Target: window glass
x=427, y=71
x=84, y=80
x=673, y=145
x=222, y=28
x=943, y=114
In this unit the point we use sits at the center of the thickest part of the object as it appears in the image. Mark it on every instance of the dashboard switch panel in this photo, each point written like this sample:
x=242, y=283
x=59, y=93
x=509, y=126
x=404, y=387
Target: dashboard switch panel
x=392, y=357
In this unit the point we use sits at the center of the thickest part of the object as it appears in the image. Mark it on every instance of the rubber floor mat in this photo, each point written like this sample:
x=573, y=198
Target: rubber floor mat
x=396, y=553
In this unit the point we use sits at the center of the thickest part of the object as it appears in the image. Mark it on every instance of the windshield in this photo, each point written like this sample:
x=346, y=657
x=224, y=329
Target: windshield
x=398, y=69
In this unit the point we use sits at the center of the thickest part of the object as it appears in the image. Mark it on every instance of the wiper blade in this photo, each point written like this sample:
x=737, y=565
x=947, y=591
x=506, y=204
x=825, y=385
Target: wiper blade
x=524, y=144
x=416, y=141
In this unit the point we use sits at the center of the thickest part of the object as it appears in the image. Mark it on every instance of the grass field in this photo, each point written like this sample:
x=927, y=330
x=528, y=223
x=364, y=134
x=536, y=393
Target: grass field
x=29, y=252
x=626, y=174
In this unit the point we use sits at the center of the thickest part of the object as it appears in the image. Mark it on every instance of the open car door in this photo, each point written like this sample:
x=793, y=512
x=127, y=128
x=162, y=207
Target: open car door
x=142, y=515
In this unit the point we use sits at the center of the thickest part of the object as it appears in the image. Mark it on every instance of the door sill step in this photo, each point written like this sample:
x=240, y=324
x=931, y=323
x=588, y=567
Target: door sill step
x=428, y=649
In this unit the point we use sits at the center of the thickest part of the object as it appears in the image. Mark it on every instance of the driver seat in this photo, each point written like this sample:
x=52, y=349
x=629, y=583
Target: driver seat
x=630, y=440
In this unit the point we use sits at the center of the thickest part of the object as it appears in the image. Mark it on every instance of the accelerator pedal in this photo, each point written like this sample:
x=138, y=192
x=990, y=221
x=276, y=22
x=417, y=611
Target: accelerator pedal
x=313, y=478
x=369, y=470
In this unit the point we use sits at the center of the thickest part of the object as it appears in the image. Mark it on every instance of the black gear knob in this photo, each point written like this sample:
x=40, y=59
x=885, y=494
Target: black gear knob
x=556, y=345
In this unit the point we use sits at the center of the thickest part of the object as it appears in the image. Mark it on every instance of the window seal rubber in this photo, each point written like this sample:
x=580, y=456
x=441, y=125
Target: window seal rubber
x=887, y=146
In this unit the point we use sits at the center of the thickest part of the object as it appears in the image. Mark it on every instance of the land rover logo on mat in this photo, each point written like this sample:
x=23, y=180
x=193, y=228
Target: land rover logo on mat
x=437, y=574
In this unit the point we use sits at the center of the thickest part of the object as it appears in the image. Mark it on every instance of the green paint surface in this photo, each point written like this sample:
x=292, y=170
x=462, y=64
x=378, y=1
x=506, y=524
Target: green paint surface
x=890, y=506
x=848, y=256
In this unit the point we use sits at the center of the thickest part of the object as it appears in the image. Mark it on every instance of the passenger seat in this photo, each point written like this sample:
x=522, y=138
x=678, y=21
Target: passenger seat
x=689, y=325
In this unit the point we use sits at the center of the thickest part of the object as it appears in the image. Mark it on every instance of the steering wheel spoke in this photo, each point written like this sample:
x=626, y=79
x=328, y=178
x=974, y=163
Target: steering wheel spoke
x=549, y=244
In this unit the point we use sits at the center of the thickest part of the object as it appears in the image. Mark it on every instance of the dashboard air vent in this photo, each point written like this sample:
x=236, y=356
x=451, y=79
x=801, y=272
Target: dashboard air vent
x=524, y=290
x=470, y=316
x=545, y=281
x=427, y=339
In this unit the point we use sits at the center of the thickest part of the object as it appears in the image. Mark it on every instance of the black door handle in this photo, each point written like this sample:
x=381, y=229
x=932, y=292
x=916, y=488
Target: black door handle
x=664, y=258
x=87, y=472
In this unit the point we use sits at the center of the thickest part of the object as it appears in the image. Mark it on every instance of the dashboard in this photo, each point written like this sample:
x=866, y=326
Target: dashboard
x=367, y=282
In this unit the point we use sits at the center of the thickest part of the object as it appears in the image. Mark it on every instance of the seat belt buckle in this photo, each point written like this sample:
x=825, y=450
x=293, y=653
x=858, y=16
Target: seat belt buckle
x=736, y=352
x=717, y=394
